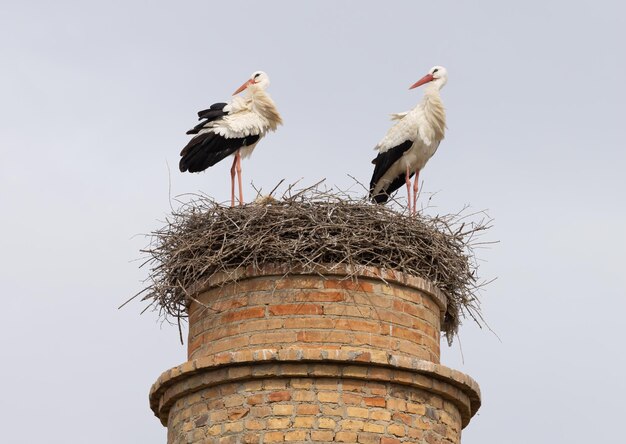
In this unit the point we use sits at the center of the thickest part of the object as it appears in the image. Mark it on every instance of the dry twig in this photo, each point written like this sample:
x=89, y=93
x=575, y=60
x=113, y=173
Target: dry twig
x=309, y=228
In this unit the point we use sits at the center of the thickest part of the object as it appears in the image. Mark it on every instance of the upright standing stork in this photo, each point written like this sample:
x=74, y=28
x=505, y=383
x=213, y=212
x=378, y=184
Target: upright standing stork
x=408, y=145
x=232, y=128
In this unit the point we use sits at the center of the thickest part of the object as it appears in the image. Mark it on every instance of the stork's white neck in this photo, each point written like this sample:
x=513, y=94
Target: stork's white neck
x=431, y=92
x=255, y=89
x=255, y=94
x=263, y=104
x=435, y=86
x=434, y=112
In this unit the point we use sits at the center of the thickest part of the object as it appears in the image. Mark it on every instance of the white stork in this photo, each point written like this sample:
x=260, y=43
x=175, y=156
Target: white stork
x=232, y=128
x=409, y=144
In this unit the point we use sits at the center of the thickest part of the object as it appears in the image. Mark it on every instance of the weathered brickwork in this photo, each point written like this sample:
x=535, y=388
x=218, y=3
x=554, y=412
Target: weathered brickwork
x=308, y=311
x=300, y=410
x=305, y=358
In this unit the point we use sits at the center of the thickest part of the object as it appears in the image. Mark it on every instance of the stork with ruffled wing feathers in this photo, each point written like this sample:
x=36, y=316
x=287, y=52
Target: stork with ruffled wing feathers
x=232, y=128
x=411, y=142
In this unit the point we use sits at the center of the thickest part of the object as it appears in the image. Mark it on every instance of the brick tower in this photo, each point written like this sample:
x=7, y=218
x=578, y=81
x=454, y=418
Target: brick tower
x=299, y=357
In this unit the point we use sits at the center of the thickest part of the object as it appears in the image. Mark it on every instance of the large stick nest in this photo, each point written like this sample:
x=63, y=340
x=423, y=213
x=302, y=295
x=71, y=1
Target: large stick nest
x=309, y=230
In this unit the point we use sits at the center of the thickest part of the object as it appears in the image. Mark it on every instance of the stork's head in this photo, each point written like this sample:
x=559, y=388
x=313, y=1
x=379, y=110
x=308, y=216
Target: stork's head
x=258, y=78
x=437, y=74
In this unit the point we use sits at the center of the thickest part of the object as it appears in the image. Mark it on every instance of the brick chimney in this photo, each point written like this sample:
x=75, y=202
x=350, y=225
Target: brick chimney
x=286, y=356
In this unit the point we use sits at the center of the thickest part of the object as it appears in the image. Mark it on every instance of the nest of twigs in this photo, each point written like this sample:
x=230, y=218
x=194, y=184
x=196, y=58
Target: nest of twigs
x=309, y=230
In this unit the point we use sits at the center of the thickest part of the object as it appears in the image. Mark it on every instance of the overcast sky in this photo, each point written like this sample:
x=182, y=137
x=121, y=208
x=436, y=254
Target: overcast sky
x=95, y=99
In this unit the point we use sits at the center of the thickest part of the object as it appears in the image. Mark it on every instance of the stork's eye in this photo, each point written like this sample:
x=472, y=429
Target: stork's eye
x=436, y=69
x=257, y=75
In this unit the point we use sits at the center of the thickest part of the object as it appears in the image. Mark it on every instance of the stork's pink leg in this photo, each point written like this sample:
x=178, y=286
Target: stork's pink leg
x=417, y=175
x=238, y=159
x=407, y=179
x=232, y=182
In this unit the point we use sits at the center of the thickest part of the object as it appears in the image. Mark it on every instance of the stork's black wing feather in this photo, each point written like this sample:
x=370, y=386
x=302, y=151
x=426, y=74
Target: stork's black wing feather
x=206, y=149
x=383, y=195
x=215, y=112
x=382, y=163
x=215, y=107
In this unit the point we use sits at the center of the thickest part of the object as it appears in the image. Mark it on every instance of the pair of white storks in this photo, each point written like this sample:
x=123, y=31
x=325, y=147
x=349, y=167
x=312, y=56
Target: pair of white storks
x=236, y=128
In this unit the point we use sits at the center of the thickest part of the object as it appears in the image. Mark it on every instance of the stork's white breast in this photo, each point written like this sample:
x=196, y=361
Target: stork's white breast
x=243, y=124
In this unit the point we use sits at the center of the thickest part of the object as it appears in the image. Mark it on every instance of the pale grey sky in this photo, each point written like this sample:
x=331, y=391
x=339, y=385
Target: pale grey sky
x=95, y=98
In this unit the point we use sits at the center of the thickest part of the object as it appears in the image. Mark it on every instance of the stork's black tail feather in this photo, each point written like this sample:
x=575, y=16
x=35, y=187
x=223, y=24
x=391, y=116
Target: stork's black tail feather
x=379, y=198
x=382, y=163
x=383, y=195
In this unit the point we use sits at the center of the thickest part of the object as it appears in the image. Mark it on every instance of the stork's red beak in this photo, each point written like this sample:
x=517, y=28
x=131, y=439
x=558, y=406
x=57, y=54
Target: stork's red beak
x=244, y=86
x=427, y=78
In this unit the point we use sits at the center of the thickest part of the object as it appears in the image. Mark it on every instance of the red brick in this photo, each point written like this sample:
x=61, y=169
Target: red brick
x=228, y=344
x=229, y=304
x=322, y=435
x=332, y=410
x=329, y=397
x=292, y=282
x=279, y=396
x=307, y=409
x=316, y=322
x=376, y=388
x=353, y=385
x=413, y=349
x=277, y=337
x=389, y=441
x=369, y=438
x=304, y=421
x=214, y=333
x=278, y=423
x=352, y=399
x=350, y=310
x=255, y=424
x=320, y=296
x=260, y=325
x=326, y=423
x=375, y=401
x=380, y=373
x=252, y=438
x=358, y=325
x=345, y=437
x=406, y=333
x=396, y=429
x=374, y=428
x=273, y=437
x=237, y=413
x=296, y=435
x=283, y=410
x=295, y=309
x=328, y=336
x=402, y=417
x=358, y=412
x=348, y=284
x=258, y=285
x=260, y=411
x=255, y=399
x=240, y=315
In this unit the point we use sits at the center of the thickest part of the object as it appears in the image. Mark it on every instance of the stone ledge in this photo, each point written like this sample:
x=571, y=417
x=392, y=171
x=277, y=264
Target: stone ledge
x=194, y=375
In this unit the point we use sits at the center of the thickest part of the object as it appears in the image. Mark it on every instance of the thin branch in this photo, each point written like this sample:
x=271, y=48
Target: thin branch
x=313, y=228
